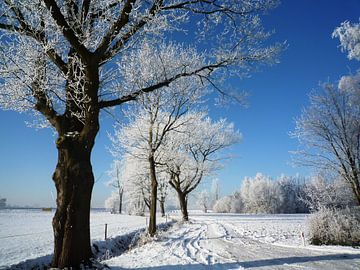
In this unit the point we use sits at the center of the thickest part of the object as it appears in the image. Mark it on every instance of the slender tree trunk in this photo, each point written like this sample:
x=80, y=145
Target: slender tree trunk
x=120, y=201
x=162, y=207
x=183, y=205
x=74, y=181
x=153, y=202
x=356, y=191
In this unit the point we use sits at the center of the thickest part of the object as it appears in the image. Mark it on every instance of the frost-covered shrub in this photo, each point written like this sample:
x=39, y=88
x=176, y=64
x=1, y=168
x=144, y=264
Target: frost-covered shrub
x=112, y=203
x=335, y=227
x=319, y=193
x=223, y=205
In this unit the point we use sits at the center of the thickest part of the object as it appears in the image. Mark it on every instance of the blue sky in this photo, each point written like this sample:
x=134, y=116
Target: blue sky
x=277, y=95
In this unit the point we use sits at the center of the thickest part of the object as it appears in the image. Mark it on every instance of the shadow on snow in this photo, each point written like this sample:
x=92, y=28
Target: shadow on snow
x=252, y=264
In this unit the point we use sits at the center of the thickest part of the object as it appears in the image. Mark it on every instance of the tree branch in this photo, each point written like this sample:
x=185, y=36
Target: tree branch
x=136, y=94
x=115, y=28
x=110, y=52
x=68, y=33
x=35, y=34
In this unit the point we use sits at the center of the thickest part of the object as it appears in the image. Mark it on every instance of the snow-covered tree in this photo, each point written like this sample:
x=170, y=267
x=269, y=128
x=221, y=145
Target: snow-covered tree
x=215, y=190
x=320, y=193
x=261, y=194
x=198, y=150
x=65, y=61
x=330, y=127
x=330, y=131
x=292, y=190
x=223, y=205
x=112, y=203
x=237, y=204
x=157, y=115
x=117, y=183
x=135, y=178
x=349, y=36
x=203, y=200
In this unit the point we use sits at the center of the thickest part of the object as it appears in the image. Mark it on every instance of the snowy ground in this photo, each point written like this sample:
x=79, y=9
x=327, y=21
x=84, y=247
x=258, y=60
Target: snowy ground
x=208, y=241
x=216, y=241
x=27, y=234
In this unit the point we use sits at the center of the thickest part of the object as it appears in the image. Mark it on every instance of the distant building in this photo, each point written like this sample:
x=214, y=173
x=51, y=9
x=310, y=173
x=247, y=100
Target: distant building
x=2, y=203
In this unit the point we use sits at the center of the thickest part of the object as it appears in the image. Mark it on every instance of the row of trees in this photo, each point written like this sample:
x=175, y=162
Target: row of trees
x=66, y=61
x=168, y=145
x=262, y=194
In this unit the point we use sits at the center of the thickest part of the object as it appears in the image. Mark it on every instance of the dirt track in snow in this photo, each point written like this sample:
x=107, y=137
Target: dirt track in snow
x=216, y=243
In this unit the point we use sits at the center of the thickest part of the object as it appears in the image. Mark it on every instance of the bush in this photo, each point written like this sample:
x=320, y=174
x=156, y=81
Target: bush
x=335, y=227
x=223, y=205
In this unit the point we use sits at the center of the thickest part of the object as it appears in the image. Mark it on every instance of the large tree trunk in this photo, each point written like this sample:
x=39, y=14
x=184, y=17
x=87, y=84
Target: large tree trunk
x=183, y=205
x=154, y=187
x=74, y=181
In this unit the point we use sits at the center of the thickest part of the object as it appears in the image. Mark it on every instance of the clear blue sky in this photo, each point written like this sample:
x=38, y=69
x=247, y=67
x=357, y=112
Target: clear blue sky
x=277, y=95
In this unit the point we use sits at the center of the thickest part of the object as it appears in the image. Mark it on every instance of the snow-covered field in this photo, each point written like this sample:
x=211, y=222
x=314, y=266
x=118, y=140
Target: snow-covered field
x=208, y=241
x=27, y=234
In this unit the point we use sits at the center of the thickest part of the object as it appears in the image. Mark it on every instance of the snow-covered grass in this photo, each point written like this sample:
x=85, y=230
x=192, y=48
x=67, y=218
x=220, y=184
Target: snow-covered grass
x=27, y=234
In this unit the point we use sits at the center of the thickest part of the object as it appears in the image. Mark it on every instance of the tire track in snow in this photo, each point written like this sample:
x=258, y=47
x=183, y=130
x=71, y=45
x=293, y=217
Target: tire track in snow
x=211, y=243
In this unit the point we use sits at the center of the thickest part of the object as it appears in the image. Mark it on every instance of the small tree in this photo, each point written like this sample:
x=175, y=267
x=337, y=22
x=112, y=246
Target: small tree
x=203, y=200
x=112, y=202
x=117, y=183
x=195, y=153
x=163, y=190
x=215, y=191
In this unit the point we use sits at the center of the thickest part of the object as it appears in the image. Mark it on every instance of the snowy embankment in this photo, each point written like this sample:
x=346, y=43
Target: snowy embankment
x=27, y=234
x=216, y=241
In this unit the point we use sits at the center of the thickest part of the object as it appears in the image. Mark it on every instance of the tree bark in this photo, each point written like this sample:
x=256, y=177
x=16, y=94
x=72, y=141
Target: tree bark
x=74, y=182
x=162, y=207
x=154, y=187
x=183, y=205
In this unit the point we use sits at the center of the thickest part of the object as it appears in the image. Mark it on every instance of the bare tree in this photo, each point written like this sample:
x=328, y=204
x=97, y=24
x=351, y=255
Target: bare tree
x=195, y=154
x=203, y=200
x=117, y=183
x=330, y=131
x=57, y=60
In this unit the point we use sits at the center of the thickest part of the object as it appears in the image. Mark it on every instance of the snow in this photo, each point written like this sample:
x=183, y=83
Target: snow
x=233, y=241
x=208, y=241
x=27, y=234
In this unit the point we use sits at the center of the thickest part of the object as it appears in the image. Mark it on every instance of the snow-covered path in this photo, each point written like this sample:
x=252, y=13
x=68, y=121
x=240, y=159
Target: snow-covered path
x=212, y=242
